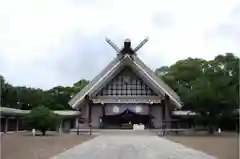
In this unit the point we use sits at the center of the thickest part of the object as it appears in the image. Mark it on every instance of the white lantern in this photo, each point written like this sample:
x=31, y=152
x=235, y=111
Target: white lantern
x=115, y=109
x=138, y=109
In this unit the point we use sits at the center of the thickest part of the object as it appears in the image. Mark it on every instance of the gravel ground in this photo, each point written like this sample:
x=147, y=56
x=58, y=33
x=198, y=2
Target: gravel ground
x=25, y=146
x=131, y=147
x=225, y=146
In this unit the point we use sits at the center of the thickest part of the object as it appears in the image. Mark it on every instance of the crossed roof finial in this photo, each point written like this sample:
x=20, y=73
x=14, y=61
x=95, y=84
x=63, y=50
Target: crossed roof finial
x=127, y=49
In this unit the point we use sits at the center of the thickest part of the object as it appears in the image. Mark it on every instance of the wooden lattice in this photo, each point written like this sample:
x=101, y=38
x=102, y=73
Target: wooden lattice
x=126, y=83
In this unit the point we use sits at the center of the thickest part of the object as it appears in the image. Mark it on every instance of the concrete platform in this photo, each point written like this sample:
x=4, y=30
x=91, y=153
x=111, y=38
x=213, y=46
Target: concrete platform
x=131, y=147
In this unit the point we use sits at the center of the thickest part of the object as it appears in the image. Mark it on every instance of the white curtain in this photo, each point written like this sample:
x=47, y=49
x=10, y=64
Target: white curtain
x=114, y=109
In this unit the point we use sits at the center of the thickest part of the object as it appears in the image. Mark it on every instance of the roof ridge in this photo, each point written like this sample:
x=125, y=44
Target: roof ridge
x=95, y=79
x=158, y=79
x=114, y=65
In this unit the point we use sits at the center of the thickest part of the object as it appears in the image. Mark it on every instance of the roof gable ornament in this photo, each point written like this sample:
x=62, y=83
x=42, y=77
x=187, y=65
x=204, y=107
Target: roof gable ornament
x=127, y=49
x=126, y=58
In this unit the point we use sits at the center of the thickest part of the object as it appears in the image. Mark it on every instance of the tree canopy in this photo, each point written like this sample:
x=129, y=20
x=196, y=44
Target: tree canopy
x=209, y=87
x=22, y=97
x=41, y=118
x=205, y=85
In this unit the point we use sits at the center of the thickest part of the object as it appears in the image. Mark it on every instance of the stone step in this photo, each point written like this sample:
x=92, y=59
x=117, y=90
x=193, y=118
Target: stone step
x=114, y=132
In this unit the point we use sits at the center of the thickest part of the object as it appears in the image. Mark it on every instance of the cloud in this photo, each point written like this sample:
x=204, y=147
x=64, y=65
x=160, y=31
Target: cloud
x=226, y=34
x=47, y=43
x=163, y=20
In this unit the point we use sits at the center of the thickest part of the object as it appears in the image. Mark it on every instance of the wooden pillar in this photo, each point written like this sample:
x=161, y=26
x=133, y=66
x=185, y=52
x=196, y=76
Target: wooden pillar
x=17, y=124
x=103, y=110
x=76, y=122
x=86, y=115
x=90, y=116
x=6, y=125
x=166, y=111
x=77, y=125
x=89, y=105
x=150, y=116
x=163, y=113
x=103, y=115
x=60, y=126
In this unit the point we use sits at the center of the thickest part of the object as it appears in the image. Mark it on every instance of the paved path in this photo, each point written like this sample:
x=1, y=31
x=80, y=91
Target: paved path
x=131, y=147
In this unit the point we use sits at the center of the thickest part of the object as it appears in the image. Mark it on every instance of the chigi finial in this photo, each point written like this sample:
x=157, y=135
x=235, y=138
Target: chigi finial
x=127, y=49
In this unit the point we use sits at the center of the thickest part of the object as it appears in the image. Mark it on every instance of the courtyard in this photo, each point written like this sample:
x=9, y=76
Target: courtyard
x=25, y=146
x=225, y=146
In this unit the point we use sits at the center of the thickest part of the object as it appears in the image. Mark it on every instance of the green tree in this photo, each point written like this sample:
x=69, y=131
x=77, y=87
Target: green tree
x=79, y=85
x=27, y=98
x=207, y=87
x=42, y=118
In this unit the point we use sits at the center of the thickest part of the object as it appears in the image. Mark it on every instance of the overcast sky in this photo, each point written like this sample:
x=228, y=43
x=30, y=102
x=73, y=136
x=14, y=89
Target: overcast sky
x=45, y=43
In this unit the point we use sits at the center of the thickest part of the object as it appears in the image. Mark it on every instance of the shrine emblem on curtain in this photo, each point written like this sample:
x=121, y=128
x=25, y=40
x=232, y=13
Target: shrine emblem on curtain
x=112, y=109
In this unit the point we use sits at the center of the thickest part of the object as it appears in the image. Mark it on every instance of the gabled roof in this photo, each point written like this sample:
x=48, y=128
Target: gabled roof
x=116, y=65
x=14, y=111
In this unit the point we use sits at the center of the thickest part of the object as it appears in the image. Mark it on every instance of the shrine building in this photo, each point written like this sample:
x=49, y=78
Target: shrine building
x=124, y=93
